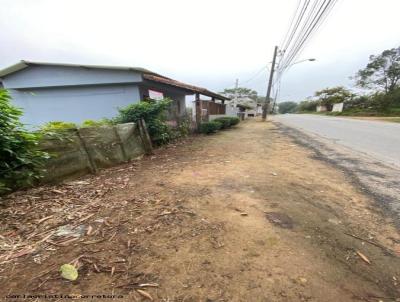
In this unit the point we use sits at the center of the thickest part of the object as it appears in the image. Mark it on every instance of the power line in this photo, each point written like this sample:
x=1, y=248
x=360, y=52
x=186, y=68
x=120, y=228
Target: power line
x=313, y=21
x=305, y=23
x=308, y=31
x=298, y=21
x=290, y=26
x=256, y=74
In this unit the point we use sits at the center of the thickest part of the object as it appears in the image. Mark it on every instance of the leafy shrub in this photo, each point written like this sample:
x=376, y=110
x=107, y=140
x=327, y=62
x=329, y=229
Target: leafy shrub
x=21, y=163
x=225, y=122
x=153, y=113
x=210, y=127
x=234, y=120
x=184, y=126
x=159, y=132
x=57, y=125
x=99, y=123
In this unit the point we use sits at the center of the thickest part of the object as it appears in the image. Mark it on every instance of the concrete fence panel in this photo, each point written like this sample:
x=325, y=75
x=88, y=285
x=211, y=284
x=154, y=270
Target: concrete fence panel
x=76, y=152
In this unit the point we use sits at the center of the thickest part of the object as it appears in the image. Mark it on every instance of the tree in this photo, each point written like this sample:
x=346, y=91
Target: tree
x=21, y=162
x=240, y=92
x=307, y=105
x=329, y=96
x=287, y=107
x=382, y=71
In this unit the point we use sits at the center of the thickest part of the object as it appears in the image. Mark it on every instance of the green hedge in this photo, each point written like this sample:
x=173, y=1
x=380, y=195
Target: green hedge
x=217, y=124
x=227, y=121
x=234, y=120
x=224, y=121
x=210, y=127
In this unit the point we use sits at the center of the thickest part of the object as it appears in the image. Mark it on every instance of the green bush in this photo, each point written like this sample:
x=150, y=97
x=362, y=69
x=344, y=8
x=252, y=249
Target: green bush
x=234, y=120
x=184, y=127
x=225, y=122
x=21, y=163
x=153, y=113
x=99, y=123
x=210, y=127
x=57, y=125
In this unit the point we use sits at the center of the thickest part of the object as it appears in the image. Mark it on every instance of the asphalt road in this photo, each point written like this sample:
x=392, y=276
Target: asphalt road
x=380, y=140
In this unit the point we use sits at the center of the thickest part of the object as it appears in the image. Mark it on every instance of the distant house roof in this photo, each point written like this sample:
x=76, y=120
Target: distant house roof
x=147, y=75
x=191, y=88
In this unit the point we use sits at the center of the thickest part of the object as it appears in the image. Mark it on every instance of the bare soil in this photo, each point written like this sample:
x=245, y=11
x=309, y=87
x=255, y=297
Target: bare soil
x=243, y=215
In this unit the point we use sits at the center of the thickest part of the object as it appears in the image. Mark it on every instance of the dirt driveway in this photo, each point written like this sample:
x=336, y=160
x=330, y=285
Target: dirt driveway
x=243, y=215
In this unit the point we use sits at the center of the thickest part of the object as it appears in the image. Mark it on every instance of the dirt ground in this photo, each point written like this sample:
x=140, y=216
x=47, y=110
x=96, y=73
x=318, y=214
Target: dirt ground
x=242, y=215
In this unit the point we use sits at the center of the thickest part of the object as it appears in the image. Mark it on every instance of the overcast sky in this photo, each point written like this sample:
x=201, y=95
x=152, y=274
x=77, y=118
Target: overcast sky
x=208, y=43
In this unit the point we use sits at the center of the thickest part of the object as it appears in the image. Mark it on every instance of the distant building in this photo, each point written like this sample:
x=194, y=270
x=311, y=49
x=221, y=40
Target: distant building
x=338, y=107
x=245, y=105
x=321, y=108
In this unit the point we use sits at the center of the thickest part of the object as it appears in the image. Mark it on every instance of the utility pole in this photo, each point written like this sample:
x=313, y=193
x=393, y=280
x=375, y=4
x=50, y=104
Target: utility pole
x=236, y=92
x=275, y=98
x=271, y=77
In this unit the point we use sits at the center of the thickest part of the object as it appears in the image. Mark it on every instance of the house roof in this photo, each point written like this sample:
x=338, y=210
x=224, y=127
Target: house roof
x=147, y=74
x=191, y=88
x=24, y=64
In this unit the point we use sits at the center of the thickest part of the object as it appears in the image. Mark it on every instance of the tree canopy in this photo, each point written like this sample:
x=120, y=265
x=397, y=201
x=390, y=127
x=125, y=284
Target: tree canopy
x=330, y=96
x=240, y=92
x=287, y=107
x=382, y=71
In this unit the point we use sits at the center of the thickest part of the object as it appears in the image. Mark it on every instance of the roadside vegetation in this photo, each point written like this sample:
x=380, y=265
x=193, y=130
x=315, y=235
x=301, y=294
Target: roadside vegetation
x=380, y=81
x=218, y=124
x=21, y=162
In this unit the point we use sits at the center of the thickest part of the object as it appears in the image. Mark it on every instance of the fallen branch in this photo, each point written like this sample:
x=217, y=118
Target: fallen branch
x=145, y=294
x=363, y=257
x=373, y=243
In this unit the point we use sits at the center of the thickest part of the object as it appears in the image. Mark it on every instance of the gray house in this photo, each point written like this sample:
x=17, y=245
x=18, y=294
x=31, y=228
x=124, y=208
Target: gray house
x=74, y=93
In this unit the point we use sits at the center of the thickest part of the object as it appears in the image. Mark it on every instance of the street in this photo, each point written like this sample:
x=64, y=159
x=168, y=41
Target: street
x=380, y=140
x=246, y=214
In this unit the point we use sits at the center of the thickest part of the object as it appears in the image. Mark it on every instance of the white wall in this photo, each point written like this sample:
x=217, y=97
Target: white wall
x=338, y=107
x=73, y=104
x=231, y=110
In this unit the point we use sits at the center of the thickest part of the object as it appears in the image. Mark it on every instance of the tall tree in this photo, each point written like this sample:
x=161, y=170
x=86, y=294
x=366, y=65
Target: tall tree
x=382, y=71
x=240, y=92
x=330, y=96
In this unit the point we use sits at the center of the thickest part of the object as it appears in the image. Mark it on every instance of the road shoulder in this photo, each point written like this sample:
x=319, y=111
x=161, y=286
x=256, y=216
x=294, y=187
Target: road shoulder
x=373, y=177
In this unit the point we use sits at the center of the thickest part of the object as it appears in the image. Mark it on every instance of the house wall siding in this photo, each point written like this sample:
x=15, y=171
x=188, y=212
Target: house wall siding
x=52, y=76
x=73, y=104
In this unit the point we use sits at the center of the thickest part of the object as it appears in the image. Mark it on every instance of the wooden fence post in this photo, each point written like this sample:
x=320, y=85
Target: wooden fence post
x=144, y=134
